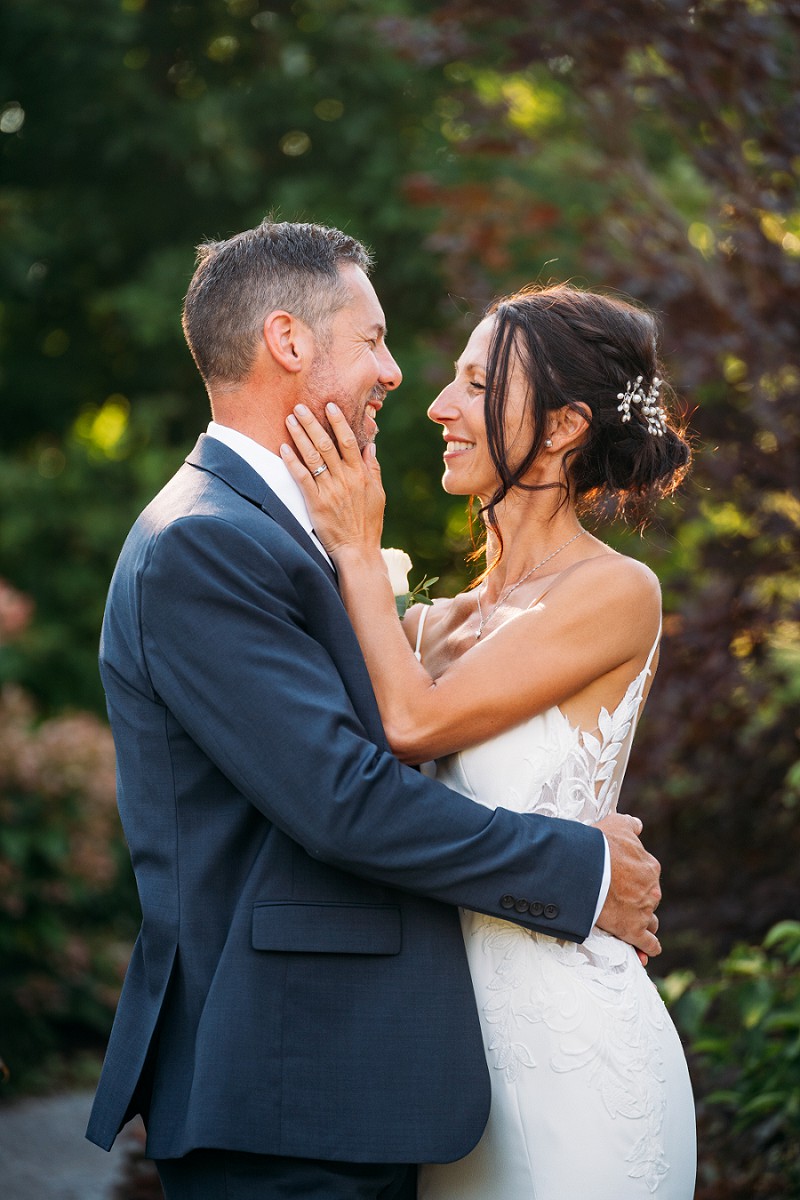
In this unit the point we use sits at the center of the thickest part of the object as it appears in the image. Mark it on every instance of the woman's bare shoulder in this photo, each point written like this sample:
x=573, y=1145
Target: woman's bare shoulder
x=605, y=591
x=620, y=573
x=613, y=593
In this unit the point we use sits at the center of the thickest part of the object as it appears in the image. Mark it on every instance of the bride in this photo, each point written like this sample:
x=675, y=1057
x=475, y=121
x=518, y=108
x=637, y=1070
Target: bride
x=525, y=691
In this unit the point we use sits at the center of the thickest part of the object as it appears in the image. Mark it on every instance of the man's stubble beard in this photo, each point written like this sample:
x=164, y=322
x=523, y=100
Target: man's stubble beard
x=322, y=390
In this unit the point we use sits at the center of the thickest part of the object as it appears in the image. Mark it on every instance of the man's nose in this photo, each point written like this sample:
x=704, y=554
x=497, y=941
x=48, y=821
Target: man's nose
x=391, y=375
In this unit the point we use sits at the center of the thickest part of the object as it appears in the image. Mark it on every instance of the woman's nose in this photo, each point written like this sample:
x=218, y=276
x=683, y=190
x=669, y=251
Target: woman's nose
x=444, y=407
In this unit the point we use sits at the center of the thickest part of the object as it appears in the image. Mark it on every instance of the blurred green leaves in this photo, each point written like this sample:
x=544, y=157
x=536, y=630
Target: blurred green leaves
x=744, y=1030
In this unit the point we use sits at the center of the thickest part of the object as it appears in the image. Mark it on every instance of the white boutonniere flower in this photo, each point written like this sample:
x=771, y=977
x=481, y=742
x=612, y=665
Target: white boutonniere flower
x=398, y=565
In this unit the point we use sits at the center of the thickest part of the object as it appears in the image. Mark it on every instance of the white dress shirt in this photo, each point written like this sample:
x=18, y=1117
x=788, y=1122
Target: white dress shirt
x=605, y=882
x=275, y=474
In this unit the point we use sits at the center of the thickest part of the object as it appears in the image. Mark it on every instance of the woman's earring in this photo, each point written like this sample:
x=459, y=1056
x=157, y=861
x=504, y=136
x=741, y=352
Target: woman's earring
x=548, y=443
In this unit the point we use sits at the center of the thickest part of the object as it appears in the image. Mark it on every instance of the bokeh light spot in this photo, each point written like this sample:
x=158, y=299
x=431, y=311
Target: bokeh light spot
x=222, y=49
x=294, y=143
x=328, y=110
x=734, y=369
x=104, y=428
x=766, y=441
x=12, y=117
x=296, y=60
x=702, y=238
x=264, y=21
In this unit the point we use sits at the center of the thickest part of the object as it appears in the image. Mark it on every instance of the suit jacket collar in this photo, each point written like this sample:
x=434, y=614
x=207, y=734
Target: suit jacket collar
x=214, y=456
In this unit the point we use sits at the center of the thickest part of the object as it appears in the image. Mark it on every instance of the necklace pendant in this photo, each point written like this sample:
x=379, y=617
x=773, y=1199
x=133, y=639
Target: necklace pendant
x=478, y=634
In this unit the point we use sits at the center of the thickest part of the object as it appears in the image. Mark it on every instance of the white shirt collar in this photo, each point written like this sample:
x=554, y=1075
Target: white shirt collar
x=272, y=470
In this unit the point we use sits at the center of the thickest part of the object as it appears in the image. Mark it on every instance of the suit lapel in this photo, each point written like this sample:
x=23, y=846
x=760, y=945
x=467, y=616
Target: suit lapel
x=276, y=509
x=218, y=459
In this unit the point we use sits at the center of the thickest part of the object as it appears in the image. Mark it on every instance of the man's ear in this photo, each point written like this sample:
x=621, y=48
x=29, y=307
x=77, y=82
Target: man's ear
x=288, y=340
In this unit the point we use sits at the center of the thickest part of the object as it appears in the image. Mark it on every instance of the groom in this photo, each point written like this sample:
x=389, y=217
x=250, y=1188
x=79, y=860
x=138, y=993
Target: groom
x=297, y=1018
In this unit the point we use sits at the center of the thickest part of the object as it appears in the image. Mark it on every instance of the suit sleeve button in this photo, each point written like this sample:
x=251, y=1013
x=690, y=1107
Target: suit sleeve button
x=551, y=911
x=536, y=908
x=507, y=901
x=522, y=906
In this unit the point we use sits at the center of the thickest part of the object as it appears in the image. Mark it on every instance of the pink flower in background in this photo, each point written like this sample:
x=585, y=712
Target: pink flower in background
x=16, y=610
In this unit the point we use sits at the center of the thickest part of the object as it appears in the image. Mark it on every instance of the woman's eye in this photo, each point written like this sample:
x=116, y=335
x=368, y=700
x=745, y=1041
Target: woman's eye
x=479, y=387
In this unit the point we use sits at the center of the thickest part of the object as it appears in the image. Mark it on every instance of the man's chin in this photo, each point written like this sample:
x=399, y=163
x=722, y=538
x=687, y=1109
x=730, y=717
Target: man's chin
x=367, y=439
x=368, y=431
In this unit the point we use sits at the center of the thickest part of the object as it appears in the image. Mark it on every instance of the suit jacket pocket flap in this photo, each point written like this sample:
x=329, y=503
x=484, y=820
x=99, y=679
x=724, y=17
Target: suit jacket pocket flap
x=327, y=928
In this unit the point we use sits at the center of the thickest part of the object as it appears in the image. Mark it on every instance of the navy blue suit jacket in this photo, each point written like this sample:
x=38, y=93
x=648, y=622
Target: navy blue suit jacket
x=299, y=984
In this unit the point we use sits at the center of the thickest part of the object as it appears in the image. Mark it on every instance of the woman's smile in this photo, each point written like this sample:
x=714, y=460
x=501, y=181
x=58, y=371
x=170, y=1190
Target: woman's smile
x=454, y=448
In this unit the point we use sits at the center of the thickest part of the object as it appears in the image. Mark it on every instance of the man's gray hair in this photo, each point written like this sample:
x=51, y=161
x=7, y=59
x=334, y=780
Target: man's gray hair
x=240, y=281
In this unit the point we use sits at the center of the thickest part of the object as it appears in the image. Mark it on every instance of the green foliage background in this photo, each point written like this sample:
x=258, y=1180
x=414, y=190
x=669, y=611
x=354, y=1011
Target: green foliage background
x=652, y=147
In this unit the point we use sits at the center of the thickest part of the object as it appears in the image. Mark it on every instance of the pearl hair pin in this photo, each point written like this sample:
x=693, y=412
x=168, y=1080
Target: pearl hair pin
x=650, y=409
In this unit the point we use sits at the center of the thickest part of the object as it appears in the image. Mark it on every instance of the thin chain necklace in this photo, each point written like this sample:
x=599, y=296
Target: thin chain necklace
x=484, y=620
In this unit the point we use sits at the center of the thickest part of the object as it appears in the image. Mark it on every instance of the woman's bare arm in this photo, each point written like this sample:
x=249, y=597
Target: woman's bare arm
x=602, y=617
x=537, y=659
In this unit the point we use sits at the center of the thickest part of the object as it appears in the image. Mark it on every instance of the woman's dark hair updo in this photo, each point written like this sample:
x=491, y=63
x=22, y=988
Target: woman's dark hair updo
x=581, y=350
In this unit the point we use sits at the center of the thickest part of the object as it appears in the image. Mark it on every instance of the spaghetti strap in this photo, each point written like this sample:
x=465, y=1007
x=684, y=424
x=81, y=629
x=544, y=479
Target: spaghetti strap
x=556, y=580
x=654, y=647
x=420, y=627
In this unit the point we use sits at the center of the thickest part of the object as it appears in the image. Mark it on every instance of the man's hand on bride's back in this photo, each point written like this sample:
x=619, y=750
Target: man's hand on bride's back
x=634, y=894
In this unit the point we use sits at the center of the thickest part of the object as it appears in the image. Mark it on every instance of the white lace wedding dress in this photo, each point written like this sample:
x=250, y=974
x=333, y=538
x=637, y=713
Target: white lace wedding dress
x=591, y=1098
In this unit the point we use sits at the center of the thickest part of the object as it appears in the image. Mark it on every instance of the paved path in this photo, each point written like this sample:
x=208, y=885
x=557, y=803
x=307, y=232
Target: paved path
x=44, y=1155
